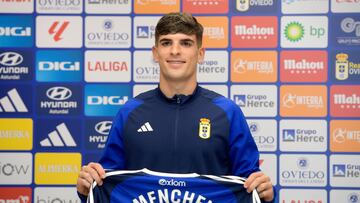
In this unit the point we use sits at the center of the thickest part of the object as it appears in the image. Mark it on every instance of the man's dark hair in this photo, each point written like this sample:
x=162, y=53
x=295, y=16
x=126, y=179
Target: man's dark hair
x=184, y=23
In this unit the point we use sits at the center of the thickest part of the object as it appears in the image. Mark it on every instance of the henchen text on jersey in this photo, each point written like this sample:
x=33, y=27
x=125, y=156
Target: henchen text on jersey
x=145, y=186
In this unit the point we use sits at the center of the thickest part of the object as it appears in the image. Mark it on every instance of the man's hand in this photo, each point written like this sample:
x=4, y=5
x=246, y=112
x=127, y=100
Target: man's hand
x=87, y=175
x=263, y=185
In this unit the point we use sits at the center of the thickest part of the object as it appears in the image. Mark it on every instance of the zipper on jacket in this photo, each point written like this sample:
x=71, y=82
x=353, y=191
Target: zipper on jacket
x=178, y=102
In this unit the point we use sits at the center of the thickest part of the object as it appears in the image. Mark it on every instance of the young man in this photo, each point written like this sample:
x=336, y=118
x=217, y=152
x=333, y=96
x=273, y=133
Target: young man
x=180, y=127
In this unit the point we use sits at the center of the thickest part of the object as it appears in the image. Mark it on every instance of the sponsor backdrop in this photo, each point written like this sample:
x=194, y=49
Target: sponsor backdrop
x=293, y=66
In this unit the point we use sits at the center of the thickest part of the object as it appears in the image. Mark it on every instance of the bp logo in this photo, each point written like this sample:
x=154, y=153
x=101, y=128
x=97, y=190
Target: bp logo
x=294, y=31
x=204, y=128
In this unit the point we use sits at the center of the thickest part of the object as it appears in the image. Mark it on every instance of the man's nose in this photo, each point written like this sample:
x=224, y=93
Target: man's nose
x=175, y=49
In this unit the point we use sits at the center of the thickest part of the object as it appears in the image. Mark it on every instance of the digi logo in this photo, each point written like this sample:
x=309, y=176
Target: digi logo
x=339, y=170
x=105, y=100
x=55, y=66
x=59, y=31
x=17, y=32
x=288, y=135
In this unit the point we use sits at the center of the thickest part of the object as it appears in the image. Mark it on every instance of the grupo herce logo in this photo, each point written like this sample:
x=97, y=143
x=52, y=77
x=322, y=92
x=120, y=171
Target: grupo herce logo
x=55, y=66
x=16, y=31
x=105, y=100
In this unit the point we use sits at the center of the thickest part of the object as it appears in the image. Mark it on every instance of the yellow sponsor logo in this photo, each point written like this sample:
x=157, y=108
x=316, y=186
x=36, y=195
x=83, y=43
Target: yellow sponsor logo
x=204, y=128
x=57, y=168
x=16, y=134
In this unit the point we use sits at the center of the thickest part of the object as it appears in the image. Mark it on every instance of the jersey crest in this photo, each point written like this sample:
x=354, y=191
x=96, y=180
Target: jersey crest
x=204, y=128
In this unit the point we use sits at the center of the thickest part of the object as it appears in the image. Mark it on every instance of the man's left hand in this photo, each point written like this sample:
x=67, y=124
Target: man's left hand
x=263, y=185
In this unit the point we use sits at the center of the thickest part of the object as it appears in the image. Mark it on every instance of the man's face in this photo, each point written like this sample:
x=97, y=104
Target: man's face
x=178, y=55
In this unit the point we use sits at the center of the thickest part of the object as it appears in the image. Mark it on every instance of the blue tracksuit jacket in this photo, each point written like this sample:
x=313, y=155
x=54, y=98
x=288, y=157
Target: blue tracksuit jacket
x=203, y=133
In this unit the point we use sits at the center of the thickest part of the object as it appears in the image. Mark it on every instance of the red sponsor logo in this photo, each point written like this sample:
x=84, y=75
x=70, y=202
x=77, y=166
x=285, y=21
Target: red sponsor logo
x=303, y=66
x=261, y=161
x=206, y=6
x=254, y=32
x=345, y=101
x=56, y=29
x=16, y=194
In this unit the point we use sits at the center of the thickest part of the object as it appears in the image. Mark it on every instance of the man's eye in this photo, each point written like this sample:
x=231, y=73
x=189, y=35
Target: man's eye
x=165, y=44
x=187, y=44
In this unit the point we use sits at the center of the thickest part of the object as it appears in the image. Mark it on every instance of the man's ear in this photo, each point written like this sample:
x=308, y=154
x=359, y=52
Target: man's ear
x=201, y=55
x=155, y=54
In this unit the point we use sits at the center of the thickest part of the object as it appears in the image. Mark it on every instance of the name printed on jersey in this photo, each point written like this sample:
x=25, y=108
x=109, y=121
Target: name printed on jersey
x=146, y=186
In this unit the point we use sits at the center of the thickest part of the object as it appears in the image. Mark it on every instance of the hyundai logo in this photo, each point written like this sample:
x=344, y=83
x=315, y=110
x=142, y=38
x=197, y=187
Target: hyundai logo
x=10, y=59
x=58, y=93
x=103, y=127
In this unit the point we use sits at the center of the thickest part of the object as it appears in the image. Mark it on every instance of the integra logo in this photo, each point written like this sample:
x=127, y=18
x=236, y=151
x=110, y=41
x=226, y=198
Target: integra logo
x=172, y=182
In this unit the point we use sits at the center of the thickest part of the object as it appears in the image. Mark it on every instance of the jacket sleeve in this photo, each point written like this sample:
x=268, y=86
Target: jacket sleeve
x=114, y=154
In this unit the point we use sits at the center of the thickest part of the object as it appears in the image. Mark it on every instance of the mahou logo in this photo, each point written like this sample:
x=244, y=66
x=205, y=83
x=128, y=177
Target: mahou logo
x=254, y=32
x=303, y=66
x=345, y=101
x=15, y=194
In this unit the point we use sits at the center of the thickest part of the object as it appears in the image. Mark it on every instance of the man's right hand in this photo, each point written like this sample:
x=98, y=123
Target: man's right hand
x=87, y=175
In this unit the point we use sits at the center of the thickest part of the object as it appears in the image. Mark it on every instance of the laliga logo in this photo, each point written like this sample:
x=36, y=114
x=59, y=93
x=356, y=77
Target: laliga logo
x=58, y=32
x=103, y=127
x=349, y=25
x=10, y=59
x=172, y=182
x=58, y=93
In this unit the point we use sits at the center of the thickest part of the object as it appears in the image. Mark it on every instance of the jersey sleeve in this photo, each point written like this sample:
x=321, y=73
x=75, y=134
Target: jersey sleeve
x=113, y=156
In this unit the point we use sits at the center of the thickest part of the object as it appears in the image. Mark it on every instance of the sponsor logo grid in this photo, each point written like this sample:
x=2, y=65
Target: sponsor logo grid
x=67, y=67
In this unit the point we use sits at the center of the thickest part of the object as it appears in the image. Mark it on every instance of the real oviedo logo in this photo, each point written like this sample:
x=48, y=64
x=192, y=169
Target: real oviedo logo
x=105, y=100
